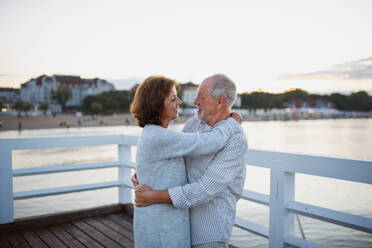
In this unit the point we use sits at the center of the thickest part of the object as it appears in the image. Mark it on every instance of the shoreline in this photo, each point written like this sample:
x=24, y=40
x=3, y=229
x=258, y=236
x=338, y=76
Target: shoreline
x=12, y=122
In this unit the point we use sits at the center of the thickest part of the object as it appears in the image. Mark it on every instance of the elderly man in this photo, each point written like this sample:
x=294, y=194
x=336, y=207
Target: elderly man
x=215, y=180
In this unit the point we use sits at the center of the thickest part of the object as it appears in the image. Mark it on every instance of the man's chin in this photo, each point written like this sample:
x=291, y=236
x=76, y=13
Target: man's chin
x=201, y=117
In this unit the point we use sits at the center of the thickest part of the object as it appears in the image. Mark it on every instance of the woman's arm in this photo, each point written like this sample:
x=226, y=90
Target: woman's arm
x=167, y=144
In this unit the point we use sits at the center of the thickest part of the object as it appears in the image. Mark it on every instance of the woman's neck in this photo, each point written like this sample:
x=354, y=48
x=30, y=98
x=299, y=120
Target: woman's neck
x=165, y=123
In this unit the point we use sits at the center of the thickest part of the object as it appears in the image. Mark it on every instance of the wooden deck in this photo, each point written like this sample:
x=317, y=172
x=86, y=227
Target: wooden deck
x=103, y=227
x=110, y=226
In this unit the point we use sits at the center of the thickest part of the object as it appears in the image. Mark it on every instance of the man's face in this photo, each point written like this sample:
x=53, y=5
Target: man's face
x=207, y=107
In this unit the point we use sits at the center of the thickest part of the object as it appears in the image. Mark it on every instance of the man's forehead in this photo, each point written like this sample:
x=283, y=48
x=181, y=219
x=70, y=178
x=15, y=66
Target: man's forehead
x=203, y=87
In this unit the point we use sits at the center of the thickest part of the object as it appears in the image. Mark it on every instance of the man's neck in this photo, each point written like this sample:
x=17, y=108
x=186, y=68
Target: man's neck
x=223, y=115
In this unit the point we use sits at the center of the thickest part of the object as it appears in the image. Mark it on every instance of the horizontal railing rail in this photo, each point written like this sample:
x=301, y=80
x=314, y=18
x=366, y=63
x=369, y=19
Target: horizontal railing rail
x=282, y=166
x=66, y=142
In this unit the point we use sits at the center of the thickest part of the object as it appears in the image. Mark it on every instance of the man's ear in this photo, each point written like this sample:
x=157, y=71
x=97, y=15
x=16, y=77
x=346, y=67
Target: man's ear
x=221, y=100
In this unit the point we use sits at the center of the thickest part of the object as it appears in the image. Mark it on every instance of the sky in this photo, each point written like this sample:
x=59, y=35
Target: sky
x=320, y=46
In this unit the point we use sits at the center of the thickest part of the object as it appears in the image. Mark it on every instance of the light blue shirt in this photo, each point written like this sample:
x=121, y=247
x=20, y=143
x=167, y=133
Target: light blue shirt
x=160, y=164
x=216, y=183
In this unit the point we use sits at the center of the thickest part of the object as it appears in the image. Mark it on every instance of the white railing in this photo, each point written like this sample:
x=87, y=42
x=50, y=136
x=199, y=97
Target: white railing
x=283, y=167
x=7, y=195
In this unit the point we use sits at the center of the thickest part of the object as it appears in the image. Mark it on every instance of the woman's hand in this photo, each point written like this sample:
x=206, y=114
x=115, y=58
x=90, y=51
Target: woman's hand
x=237, y=117
x=134, y=179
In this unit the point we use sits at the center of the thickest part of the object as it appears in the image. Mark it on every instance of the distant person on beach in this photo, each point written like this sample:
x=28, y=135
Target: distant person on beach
x=160, y=162
x=215, y=180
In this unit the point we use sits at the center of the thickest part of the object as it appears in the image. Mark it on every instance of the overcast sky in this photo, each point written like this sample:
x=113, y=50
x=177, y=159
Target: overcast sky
x=269, y=45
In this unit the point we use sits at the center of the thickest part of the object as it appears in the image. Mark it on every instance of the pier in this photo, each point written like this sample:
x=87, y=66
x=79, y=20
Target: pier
x=96, y=225
x=108, y=226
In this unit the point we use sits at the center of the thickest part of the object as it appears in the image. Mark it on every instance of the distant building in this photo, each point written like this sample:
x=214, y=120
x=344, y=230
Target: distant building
x=9, y=95
x=40, y=89
x=189, y=93
x=310, y=103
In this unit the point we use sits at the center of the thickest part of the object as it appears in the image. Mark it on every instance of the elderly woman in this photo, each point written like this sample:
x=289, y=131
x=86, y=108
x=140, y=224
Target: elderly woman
x=160, y=163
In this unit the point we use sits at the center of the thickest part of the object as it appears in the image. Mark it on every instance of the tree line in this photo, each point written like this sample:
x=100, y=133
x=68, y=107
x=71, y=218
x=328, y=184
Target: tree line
x=115, y=101
x=359, y=101
x=118, y=101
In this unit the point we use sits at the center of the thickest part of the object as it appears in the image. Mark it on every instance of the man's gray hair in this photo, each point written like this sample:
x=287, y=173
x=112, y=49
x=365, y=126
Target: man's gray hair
x=223, y=86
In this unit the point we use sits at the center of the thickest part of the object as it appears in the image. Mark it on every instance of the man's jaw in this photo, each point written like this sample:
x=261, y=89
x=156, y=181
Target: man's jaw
x=201, y=116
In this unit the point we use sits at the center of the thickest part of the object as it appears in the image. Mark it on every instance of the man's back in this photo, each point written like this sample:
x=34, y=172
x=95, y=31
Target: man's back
x=221, y=175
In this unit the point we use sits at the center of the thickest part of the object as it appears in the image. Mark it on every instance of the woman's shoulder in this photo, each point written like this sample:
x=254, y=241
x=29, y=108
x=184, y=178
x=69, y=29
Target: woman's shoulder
x=153, y=130
x=156, y=134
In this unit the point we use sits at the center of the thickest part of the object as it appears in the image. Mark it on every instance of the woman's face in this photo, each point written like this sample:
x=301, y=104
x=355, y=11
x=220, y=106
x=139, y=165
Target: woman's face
x=171, y=104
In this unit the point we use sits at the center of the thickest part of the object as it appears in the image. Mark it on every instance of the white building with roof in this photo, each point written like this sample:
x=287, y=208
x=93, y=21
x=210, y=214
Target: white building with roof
x=40, y=89
x=9, y=95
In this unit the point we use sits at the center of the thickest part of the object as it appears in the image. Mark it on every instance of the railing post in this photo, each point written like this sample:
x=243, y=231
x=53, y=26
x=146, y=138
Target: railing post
x=282, y=189
x=6, y=186
x=125, y=193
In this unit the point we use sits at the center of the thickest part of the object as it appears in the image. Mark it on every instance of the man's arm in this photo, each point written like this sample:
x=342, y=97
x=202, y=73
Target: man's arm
x=227, y=165
x=145, y=196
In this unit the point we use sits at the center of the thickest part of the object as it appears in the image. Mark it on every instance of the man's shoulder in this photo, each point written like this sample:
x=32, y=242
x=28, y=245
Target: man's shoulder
x=238, y=141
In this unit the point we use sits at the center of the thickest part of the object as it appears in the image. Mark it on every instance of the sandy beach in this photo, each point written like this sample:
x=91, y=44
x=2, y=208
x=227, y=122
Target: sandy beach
x=11, y=122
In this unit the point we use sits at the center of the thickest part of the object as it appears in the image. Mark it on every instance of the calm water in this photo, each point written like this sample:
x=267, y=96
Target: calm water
x=339, y=138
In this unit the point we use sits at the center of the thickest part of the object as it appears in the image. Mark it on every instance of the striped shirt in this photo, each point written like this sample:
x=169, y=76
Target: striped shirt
x=215, y=185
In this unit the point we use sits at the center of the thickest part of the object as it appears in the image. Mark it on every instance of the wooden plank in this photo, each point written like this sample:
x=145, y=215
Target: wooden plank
x=95, y=234
x=17, y=241
x=32, y=239
x=121, y=221
x=127, y=217
x=4, y=242
x=106, y=230
x=65, y=237
x=49, y=238
x=81, y=236
x=50, y=219
x=116, y=227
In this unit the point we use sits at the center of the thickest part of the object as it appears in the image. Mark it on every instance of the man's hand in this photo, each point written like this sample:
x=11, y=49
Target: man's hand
x=134, y=179
x=237, y=117
x=142, y=195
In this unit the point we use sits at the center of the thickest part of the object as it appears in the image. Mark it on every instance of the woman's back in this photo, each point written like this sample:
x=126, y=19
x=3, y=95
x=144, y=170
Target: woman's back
x=161, y=224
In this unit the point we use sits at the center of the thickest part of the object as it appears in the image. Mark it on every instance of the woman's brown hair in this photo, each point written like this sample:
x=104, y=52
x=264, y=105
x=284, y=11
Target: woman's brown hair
x=148, y=103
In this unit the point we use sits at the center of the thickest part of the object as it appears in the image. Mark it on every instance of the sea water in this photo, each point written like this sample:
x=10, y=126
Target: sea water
x=345, y=138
